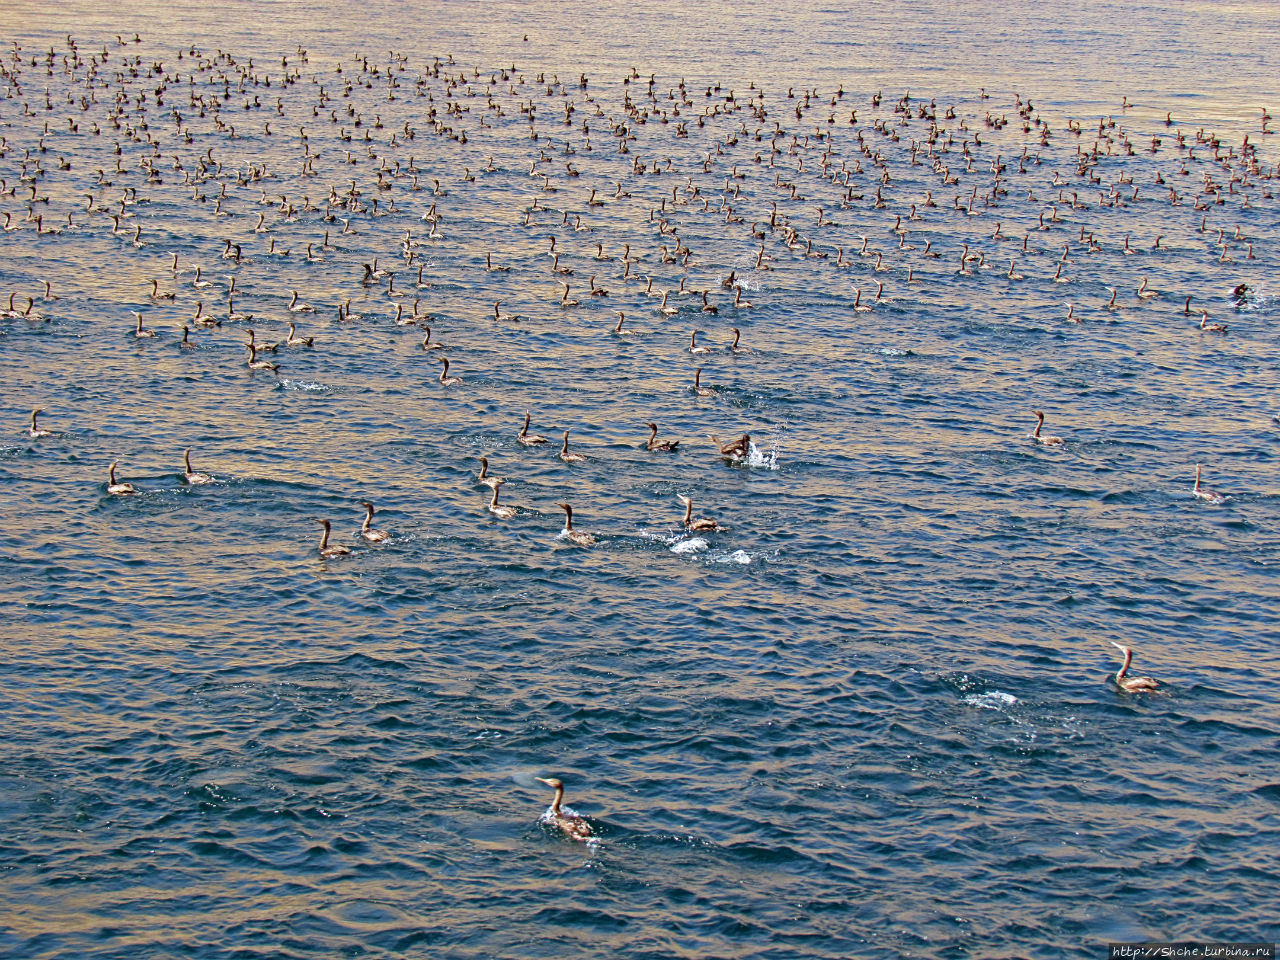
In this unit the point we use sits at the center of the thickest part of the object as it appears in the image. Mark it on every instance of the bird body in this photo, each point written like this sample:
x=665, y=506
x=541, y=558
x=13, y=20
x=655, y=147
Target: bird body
x=738, y=449
x=572, y=825
x=501, y=512
x=525, y=437
x=35, y=431
x=192, y=476
x=1204, y=493
x=568, y=457
x=370, y=533
x=1131, y=684
x=118, y=489
x=1042, y=438
x=653, y=443
x=702, y=523
x=489, y=481
x=327, y=551
x=572, y=535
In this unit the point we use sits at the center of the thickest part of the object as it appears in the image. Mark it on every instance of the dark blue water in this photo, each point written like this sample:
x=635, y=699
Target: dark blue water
x=872, y=716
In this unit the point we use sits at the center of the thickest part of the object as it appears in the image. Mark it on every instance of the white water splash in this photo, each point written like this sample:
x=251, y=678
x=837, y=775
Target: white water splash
x=304, y=385
x=763, y=461
x=692, y=545
x=993, y=700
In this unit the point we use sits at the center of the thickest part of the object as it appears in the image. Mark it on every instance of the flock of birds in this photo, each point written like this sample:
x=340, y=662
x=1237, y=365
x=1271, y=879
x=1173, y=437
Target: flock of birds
x=776, y=172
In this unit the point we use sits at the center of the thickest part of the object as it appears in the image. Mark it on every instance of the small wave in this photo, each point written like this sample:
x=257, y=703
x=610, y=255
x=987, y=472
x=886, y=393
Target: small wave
x=738, y=556
x=303, y=385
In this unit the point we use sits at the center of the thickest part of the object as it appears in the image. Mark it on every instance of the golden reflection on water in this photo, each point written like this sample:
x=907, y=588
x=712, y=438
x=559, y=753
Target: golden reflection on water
x=879, y=522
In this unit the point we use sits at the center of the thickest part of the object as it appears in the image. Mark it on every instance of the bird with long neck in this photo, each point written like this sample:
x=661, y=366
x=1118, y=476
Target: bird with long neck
x=568, y=457
x=192, y=477
x=525, y=437
x=570, y=534
x=738, y=449
x=487, y=478
x=1204, y=493
x=1131, y=684
x=327, y=551
x=653, y=443
x=119, y=489
x=702, y=523
x=502, y=512
x=572, y=825
x=35, y=431
x=1041, y=438
x=366, y=528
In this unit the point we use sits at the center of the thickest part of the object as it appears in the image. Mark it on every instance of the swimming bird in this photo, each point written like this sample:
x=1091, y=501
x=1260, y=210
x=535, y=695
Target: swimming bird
x=485, y=478
x=326, y=551
x=653, y=443
x=738, y=449
x=1131, y=684
x=191, y=475
x=698, y=388
x=1208, y=327
x=260, y=345
x=693, y=344
x=256, y=364
x=665, y=308
x=293, y=340
x=527, y=438
x=369, y=532
x=501, y=512
x=571, y=824
x=1045, y=439
x=445, y=379
x=1204, y=493
x=156, y=294
x=138, y=331
x=568, y=457
x=574, y=536
x=119, y=489
x=702, y=523
x=296, y=307
x=35, y=431
x=621, y=331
